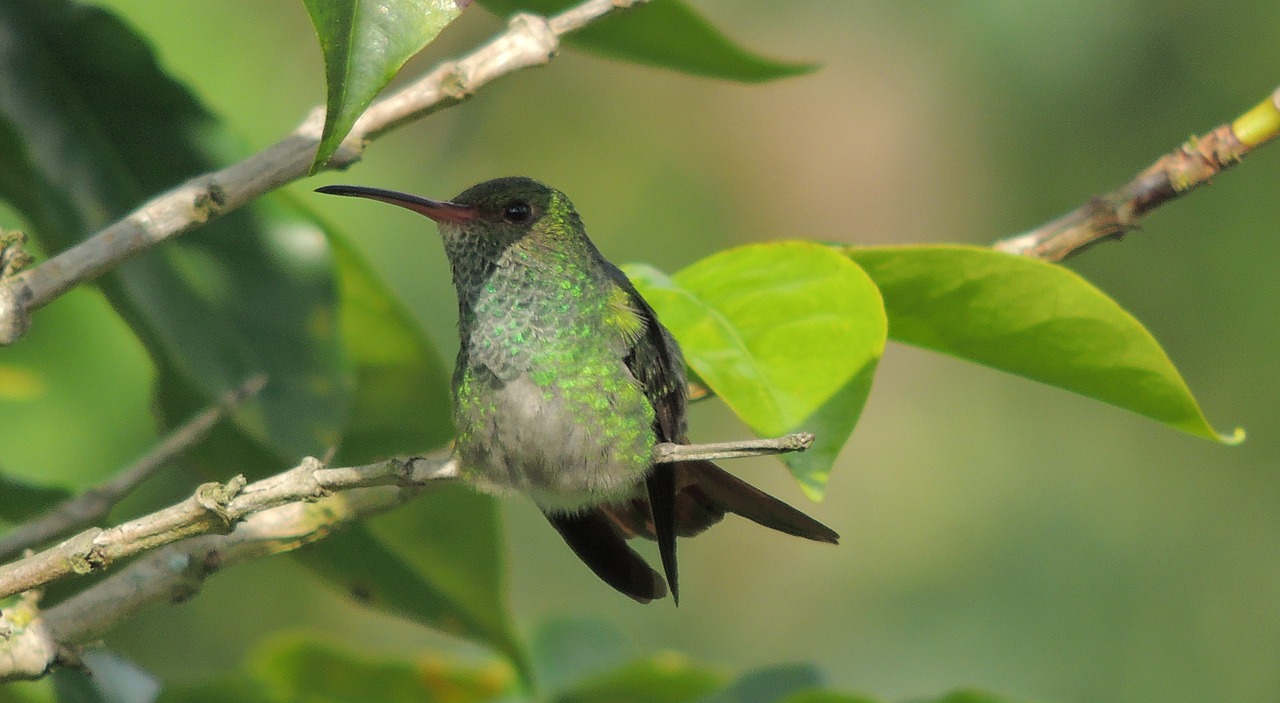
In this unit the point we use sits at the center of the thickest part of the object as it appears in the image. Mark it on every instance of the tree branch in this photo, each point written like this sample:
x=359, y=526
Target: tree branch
x=225, y=524
x=1114, y=214
x=528, y=41
x=31, y=642
x=95, y=503
x=217, y=508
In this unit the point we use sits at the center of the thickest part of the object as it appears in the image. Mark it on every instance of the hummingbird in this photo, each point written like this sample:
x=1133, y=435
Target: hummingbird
x=565, y=381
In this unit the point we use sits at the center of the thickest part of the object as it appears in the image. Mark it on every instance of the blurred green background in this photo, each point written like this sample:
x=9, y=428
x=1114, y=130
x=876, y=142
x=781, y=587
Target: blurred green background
x=996, y=533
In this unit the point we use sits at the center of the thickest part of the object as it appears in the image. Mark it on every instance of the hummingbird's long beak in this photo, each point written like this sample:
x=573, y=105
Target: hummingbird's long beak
x=438, y=210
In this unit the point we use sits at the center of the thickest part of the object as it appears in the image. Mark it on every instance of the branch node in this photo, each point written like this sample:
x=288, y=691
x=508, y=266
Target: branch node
x=83, y=553
x=309, y=466
x=537, y=29
x=403, y=468
x=209, y=202
x=453, y=82
x=216, y=499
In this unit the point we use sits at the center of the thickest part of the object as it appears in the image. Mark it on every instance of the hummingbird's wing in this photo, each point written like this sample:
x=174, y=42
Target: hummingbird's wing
x=601, y=546
x=654, y=359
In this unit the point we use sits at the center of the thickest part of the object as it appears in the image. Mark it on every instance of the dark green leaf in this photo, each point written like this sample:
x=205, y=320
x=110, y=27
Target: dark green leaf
x=788, y=334
x=769, y=685
x=663, y=678
x=452, y=539
x=364, y=45
x=568, y=650
x=439, y=560
x=90, y=127
x=20, y=500
x=402, y=397
x=379, y=577
x=666, y=34
x=302, y=670
x=1034, y=319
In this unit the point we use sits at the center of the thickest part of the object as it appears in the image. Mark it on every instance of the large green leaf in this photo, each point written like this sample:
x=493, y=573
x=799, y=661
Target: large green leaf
x=788, y=334
x=294, y=669
x=566, y=651
x=666, y=34
x=89, y=127
x=379, y=577
x=1034, y=319
x=365, y=42
x=402, y=399
x=453, y=540
x=439, y=560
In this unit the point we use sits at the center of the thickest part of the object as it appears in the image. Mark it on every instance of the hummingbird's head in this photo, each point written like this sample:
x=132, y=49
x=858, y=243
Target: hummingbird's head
x=502, y=211
x=509, y=209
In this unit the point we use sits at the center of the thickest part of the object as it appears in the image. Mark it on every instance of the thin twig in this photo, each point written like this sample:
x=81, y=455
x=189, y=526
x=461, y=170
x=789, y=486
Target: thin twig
x=93, y=504
x=528, y=41
x=666, y=453
x=1114, y=214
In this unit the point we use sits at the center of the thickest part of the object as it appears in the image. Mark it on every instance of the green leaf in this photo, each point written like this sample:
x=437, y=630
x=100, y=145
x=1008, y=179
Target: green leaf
x=769, y=684
x=90, y=127
x=20, y=500
x=567, y=650
x=452, y=538
x=665, y=34
x=788, y=334
x=379, y=577
x=295, y=669
x=364, y=45
x=439, y=560
x=662, y=678
x=402, y=399
x=1033, y=319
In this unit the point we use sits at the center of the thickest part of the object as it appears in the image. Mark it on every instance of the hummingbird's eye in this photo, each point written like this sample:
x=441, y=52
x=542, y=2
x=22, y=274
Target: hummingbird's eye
x=517, y=212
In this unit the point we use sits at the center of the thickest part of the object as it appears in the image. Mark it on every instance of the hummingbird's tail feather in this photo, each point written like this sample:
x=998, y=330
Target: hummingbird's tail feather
x=600, y=545
x=662, y=505
x=719, y=491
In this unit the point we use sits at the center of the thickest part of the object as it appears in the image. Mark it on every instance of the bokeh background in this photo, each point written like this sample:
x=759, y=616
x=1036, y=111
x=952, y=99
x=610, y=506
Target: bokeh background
x=997, y=533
